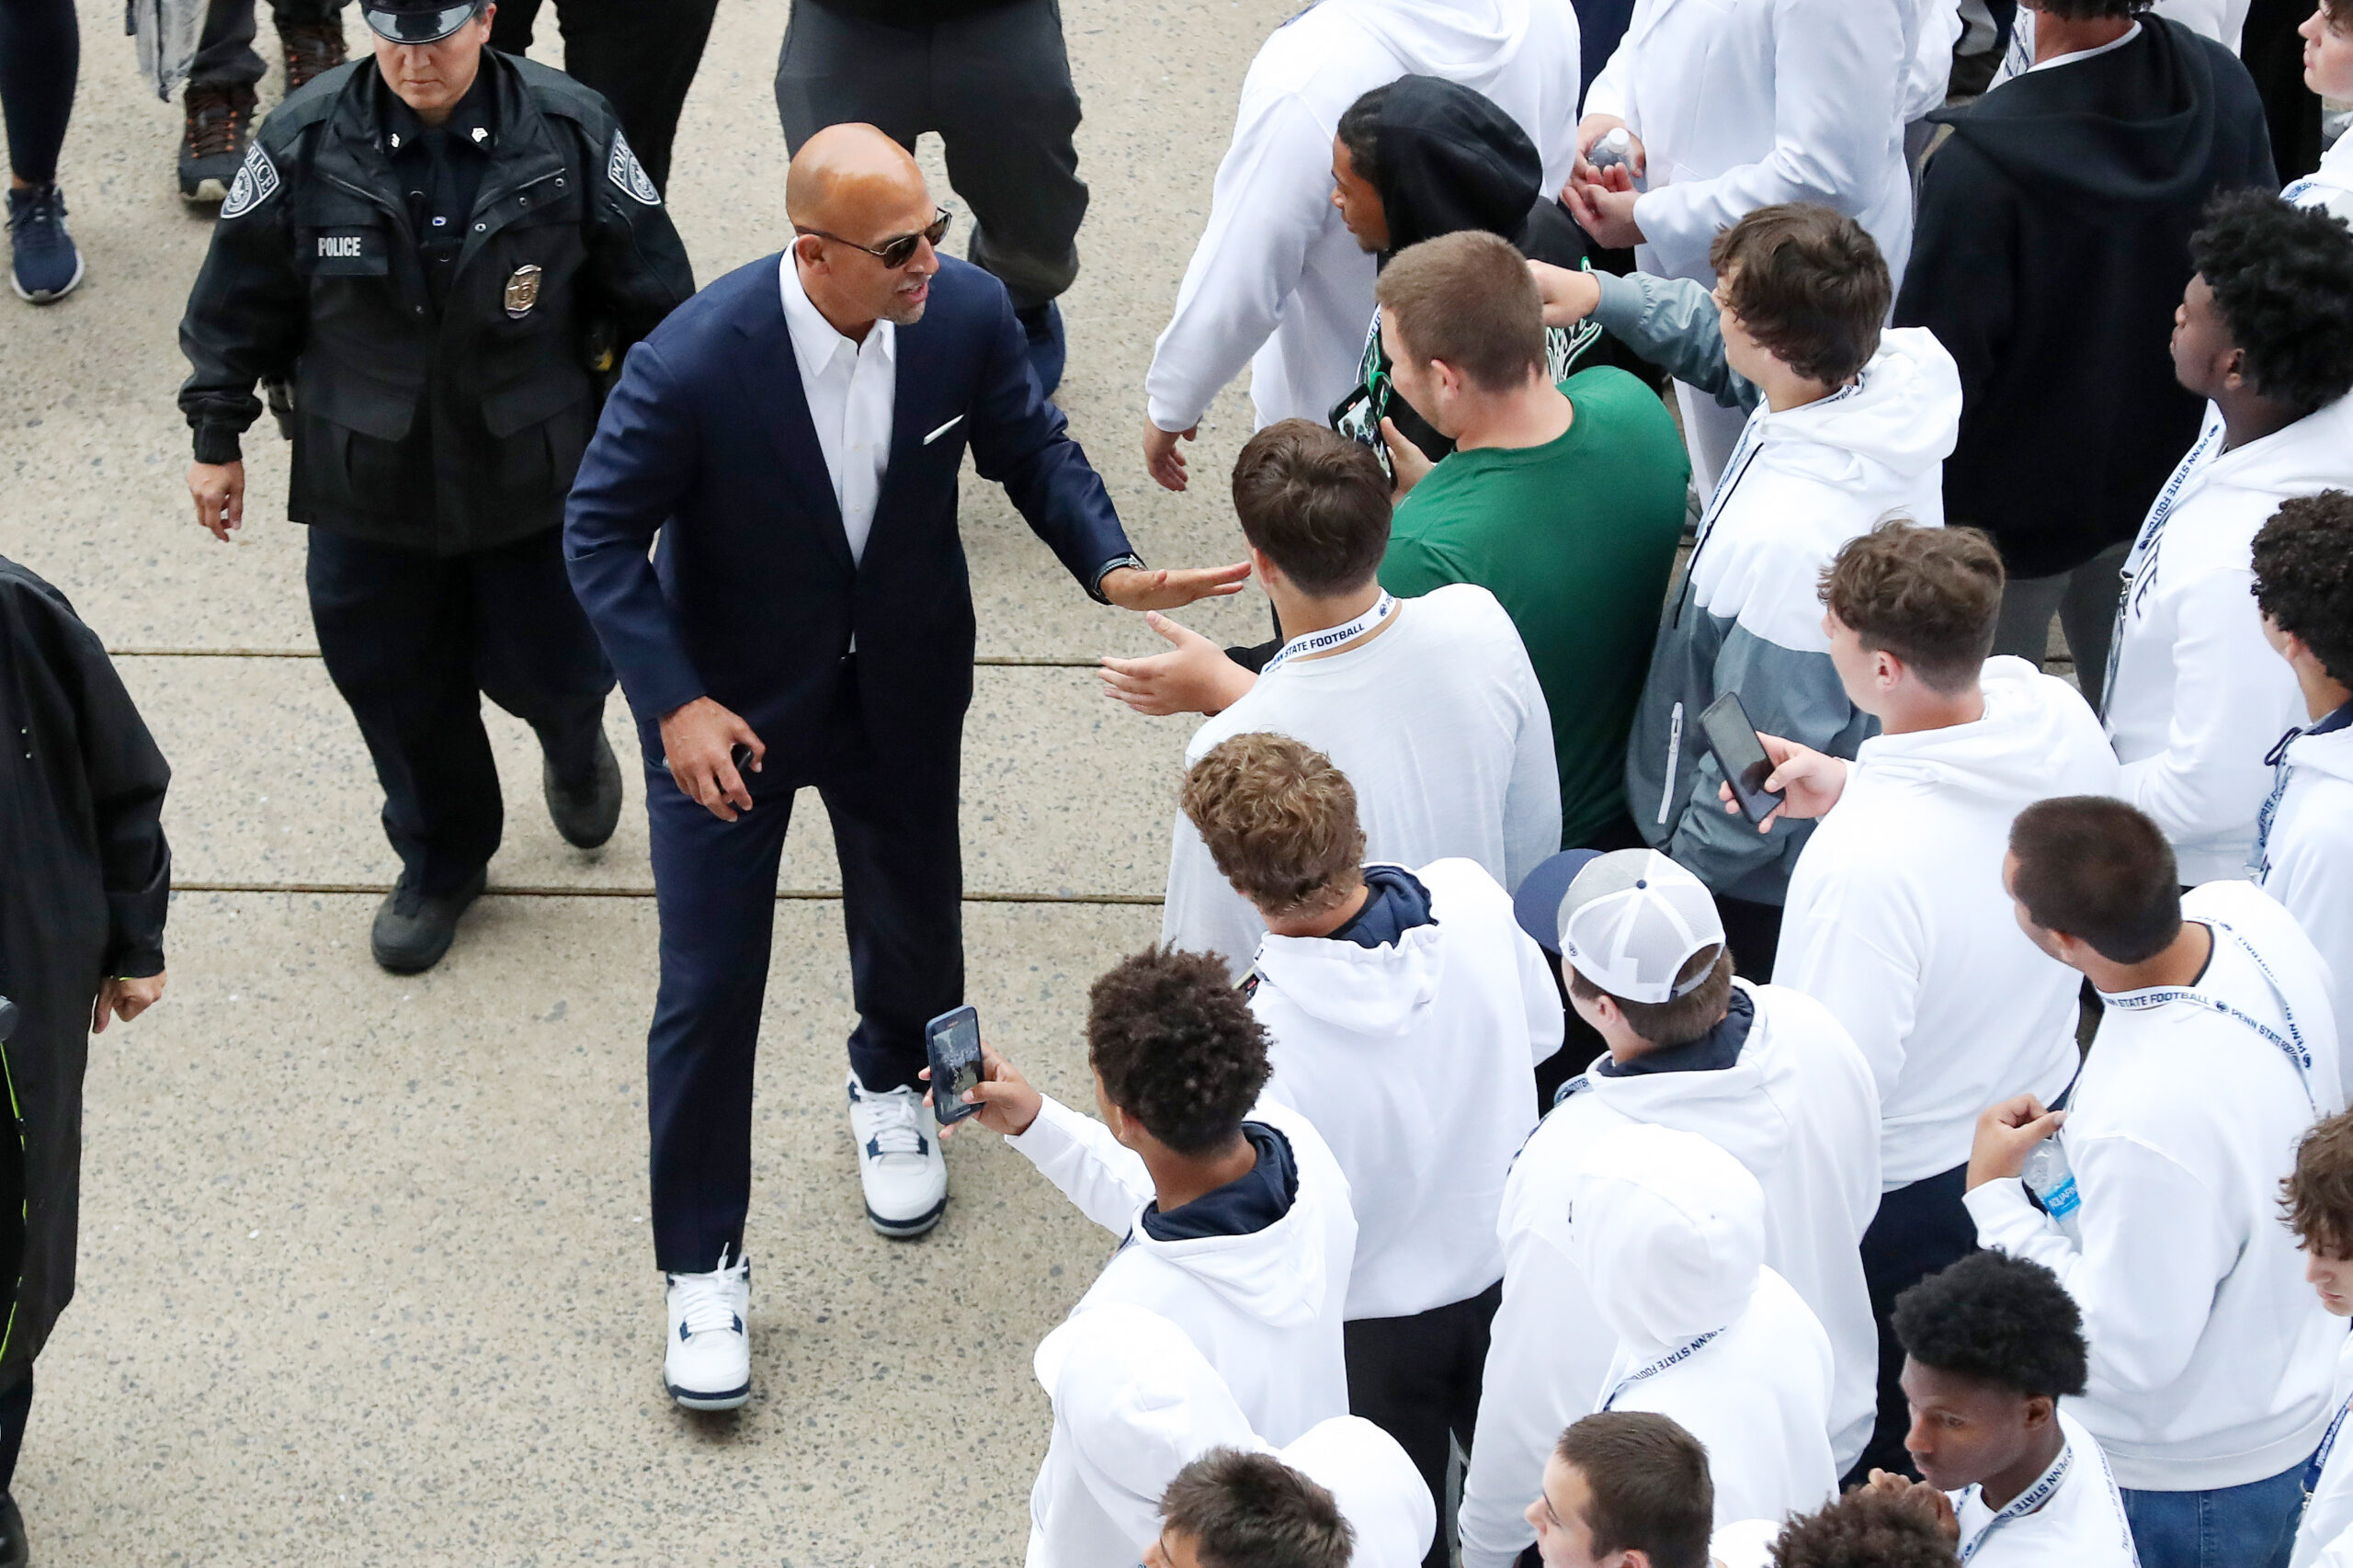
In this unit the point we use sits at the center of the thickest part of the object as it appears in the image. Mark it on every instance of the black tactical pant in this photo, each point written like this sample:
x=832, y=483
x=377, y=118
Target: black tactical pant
x=225, y=51
x=414, y=641
x=995, y=84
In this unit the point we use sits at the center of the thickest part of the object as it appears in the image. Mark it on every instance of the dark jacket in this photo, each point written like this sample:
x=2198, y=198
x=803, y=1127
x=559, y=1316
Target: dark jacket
x=85, y=878
x=2052, y=248
x=451, y=431
x=1447, y=159
x=752, y=598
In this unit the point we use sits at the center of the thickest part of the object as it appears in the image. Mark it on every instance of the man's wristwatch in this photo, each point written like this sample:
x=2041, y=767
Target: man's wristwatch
x=1094, y=589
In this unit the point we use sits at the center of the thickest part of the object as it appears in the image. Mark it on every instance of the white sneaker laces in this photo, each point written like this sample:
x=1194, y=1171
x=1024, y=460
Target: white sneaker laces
x=896, y=1125
x=704, y=1300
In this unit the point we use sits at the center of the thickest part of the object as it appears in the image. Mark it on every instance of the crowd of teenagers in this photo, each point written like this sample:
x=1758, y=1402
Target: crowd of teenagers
x=1527, y=1147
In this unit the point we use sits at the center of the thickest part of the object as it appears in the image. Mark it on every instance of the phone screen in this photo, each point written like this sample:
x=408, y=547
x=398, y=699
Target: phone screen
x=1725, y=727
x=954, y=1040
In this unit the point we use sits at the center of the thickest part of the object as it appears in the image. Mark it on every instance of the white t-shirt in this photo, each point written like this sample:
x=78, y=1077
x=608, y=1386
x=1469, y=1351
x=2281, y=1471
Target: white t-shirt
x=2080, y=1524
x=1438, y=723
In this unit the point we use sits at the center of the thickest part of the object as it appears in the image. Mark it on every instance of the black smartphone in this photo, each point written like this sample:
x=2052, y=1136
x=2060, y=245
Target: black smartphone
x=953, y=1042
x=1732, y=740
x=741, y=755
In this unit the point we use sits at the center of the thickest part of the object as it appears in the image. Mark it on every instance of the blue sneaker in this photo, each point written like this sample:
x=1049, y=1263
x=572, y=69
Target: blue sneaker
x=1044, y=326
x=47, y=267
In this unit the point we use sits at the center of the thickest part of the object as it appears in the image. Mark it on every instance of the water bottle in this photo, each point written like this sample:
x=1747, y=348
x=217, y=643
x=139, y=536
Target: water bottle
x=2050, y=1180
x=1615, y=148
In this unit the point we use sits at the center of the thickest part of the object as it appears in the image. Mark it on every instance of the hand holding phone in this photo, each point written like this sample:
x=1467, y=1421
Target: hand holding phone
x=952, y=1041
x=1732, y=740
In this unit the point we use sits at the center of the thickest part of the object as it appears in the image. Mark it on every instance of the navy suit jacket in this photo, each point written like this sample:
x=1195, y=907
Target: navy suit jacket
x=752, y=597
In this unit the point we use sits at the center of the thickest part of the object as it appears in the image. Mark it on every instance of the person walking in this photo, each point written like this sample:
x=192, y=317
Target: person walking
x=993, y=78
x=422, y=247
x=794, y=436
x=84, y=894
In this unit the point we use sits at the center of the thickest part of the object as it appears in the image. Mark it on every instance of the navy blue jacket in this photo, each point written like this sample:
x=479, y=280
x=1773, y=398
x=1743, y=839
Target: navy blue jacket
x=752, y=597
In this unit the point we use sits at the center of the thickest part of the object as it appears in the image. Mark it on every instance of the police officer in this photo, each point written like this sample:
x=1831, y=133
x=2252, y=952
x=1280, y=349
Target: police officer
x=435, y=251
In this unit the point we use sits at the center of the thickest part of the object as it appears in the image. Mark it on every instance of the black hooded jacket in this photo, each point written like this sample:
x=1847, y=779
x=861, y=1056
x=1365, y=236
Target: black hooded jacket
x=85, y=883
x=1447, y=159
x=2052, y=248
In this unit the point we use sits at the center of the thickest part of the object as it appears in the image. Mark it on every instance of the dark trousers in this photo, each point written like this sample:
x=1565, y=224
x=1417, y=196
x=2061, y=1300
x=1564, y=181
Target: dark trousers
x=225, y=51
x=1752, y=932
x=16, y=1404
x=995, y=84
x=1918, y=1230
x=895, y=832
x=641, y=55
x=414, y=642
x=41, y=57
x=1417, y=1379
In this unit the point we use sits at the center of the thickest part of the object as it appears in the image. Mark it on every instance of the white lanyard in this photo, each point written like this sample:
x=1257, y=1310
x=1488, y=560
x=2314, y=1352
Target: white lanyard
x=2139, y=574
x=1333, y=636
x=1674, y=1357
x=2026, y=1502
x=2293, y=1048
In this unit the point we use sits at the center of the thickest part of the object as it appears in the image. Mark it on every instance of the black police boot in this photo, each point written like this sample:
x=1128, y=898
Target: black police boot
x=219, y=124
x=16, y=1551
x=1043, y=323
x=413, y=931
x=585, y=813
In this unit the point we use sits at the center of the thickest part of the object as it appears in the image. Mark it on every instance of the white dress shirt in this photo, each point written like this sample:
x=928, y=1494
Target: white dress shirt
x=850, y=387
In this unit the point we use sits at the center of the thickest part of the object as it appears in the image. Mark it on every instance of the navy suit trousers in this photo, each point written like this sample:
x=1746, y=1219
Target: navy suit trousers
x=895, y=832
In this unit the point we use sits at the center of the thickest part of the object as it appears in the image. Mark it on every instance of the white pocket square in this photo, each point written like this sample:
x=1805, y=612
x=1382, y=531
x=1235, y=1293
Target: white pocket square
x=943, y=430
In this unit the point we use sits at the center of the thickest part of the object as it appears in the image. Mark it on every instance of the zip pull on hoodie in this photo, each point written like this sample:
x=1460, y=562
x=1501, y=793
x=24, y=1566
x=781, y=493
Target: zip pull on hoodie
x=1669, y=1231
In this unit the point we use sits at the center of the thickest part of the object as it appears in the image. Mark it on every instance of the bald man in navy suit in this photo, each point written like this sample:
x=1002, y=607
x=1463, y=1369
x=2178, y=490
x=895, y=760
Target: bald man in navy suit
x=794, y=434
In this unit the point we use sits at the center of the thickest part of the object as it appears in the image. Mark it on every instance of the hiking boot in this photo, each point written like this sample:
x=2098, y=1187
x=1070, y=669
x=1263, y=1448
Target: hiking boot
x=312, y=49
x=219, y=124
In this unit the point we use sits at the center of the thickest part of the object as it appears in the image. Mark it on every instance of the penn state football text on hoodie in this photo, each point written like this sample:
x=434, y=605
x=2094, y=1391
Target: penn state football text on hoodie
x=1276, y=281
x=2196, y=697
x=1263, y=1306
x=1746, y=617
x=1669, y=1232
x=1897, y=920
x=1786, y=1094
x=1439, y=722
x=1417, y=1056
x=1135, y=1401
x=2211, y=1358
x=2303, y=853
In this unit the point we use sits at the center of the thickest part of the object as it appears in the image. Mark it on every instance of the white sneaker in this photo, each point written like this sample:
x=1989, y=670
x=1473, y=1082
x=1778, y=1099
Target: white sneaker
x=899, y=1162
x=708, y=1365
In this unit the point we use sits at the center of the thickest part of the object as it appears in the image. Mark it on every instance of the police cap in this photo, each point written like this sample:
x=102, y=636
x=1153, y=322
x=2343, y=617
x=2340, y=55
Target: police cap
x=417, y=21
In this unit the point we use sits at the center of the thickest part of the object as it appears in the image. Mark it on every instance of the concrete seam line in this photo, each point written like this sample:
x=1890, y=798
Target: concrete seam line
x=991, y=661
x=802, y=894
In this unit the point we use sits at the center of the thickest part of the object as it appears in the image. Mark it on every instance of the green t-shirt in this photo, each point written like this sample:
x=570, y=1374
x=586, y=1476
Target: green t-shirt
x=1575, y=537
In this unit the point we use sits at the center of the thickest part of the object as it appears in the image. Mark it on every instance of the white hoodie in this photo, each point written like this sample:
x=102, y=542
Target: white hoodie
x=1799, y=1111
x=1744, y=103
x=2331, y=185
x=2324, y=1535
x=1135, y=1401
x=2080, y=1524
x=1669, y=1231
x=1418, y=1057
x=2196, y=696
x=2306, y=859
x=2211, y=1358
x=1898, y=923
x=1746, y=616
x=1276, y=274
x=1264, y=1308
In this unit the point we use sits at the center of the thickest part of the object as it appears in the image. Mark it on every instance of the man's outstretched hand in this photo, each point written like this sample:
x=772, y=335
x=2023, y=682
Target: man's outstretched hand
x=1194, y=676
x=1131, y=588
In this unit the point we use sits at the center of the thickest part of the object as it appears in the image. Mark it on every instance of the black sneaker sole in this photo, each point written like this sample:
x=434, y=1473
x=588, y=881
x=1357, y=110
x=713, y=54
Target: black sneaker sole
x=905, y=1230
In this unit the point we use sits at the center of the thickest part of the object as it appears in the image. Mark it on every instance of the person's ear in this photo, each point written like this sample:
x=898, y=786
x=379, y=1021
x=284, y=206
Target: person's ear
x=1888, y=669
x=2040, y=1412
x=2235, y=368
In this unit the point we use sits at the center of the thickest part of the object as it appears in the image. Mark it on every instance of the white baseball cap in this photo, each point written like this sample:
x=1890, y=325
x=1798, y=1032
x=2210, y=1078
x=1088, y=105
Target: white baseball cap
x=1631, y=919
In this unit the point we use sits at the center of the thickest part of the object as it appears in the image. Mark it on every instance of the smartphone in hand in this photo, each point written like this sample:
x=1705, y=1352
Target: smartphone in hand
x=953, y=1042
x=1732, y=740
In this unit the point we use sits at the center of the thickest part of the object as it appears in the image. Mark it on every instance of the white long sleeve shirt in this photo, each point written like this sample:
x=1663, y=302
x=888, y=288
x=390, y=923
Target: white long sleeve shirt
x=1898, y=923
x=2197, y=697
x=1438, y=723
x=2211, y=1359
x=1741, y=104
x=1276, y=281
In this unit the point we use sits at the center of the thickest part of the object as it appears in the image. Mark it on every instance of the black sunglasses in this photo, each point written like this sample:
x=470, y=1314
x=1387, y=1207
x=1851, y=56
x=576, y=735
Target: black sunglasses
x=894, y=254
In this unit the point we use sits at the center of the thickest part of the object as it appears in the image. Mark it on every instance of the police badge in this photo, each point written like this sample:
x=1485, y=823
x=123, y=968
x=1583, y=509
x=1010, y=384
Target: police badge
x=623, y=170
x=523, y=290
x=256, y=182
